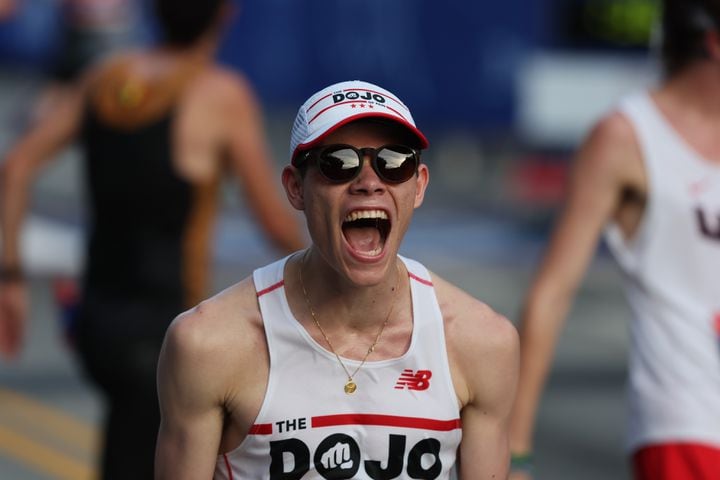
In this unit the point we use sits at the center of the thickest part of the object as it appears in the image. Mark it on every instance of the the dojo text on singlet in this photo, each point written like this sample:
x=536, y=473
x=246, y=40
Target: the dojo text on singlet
x=338, y=456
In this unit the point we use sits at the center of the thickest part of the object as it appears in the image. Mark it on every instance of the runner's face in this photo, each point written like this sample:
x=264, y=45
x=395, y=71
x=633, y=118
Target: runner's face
x=358, y=226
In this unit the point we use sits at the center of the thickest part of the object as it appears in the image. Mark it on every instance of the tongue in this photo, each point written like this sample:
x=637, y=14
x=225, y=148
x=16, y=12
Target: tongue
x=363, y=239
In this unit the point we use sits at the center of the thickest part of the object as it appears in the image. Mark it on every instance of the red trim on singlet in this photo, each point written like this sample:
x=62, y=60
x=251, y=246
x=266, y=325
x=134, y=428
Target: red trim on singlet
x=261, y=429
x=429, y=283
x=385, y=421
x=227, y=465
x=271, y=288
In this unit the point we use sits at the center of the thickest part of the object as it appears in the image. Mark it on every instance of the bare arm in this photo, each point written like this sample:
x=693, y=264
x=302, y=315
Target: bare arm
x=492, y=377
x=212, y=377
x=22, y=163
x=607, y=165
x=190, y=402
x=483, y=349
x=252, y=164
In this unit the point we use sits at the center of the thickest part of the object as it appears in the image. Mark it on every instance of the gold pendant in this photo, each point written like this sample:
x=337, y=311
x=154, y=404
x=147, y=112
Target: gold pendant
x=350, y=387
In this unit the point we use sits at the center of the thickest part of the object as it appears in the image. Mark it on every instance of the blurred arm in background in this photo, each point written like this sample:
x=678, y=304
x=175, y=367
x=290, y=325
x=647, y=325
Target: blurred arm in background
x=20, y=167
x=252, y=165
x=607, y=182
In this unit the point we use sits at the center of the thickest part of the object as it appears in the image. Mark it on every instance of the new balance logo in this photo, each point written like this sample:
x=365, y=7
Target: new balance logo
x=419, y=380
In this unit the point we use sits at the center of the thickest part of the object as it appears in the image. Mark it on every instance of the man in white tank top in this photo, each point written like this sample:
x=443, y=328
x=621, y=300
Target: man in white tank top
x=648, y=177
x=344, y=360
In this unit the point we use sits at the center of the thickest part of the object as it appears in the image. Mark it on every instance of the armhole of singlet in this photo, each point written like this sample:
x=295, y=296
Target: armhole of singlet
x=421, y=283
x=267, y=280
x=639, y=114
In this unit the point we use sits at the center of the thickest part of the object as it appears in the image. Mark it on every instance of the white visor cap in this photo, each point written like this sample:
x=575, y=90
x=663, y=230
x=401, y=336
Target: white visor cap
x=344, y=102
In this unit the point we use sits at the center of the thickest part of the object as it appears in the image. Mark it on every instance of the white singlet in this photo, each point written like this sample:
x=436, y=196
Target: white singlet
x=402, y=422
x=672, y=268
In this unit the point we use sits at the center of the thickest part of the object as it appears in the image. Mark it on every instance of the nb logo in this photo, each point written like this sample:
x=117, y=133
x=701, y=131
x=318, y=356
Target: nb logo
x=410, y=380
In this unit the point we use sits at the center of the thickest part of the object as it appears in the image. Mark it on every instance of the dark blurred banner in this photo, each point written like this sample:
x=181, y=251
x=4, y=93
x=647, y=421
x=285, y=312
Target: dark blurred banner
x=454, y=61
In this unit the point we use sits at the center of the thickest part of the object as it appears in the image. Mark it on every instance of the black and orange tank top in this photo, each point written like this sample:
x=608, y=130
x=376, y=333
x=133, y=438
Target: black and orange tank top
x=148, y=233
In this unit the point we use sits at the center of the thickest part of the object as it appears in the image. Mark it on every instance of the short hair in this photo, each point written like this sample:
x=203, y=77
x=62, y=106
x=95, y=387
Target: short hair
x=183, y=22
x=684, y=25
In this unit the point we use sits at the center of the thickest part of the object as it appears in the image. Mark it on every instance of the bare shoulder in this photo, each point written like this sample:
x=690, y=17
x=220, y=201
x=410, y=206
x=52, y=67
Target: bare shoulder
x=223, y=101
x=224, y=328
x=229, y=87
x=612, y=147
x=483, y=345
x=614, y=128
x=465, y=316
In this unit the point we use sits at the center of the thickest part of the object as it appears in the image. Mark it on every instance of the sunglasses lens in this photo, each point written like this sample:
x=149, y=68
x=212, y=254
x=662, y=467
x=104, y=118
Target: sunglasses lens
x=339, y=165
x=396, y=164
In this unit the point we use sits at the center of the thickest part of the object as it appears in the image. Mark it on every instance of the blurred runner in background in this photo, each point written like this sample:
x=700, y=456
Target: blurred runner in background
x=648, y=177
x=159, y=128
x=90, y=31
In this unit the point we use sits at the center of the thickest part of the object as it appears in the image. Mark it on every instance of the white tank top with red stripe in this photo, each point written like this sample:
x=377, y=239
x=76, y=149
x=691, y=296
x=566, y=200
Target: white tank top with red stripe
x=402, y=422
x=672, y=268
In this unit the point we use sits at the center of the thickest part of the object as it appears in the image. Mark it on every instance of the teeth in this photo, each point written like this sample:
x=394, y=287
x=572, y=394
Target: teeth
x=358, y=214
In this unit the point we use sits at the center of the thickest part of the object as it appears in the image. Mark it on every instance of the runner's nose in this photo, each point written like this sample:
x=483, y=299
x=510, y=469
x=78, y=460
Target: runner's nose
x=367, y=180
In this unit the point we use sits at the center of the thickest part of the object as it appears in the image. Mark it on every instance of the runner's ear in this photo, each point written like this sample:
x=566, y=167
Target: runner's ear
x=421, y=180
x=294, y=187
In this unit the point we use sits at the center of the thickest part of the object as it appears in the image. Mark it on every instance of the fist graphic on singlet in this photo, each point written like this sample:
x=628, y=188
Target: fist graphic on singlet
x=337, y=457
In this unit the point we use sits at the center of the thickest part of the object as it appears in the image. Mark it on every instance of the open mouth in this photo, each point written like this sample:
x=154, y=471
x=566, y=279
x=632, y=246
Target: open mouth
x=366, y=231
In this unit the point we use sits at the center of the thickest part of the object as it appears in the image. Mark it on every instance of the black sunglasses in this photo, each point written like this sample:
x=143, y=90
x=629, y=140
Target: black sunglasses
x=341, y=163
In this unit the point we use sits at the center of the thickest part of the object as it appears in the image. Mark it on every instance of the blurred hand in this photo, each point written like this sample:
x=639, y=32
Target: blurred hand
x=13, y=312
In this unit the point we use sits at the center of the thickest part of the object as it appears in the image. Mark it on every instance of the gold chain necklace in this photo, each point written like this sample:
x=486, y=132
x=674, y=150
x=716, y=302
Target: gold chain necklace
x=350, y=385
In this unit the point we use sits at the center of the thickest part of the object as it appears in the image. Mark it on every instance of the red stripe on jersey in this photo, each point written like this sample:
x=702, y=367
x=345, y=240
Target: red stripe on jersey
x=385, y=421
x=261, y=429
x=227, y=465
x=429, y=283
x=271, y=288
